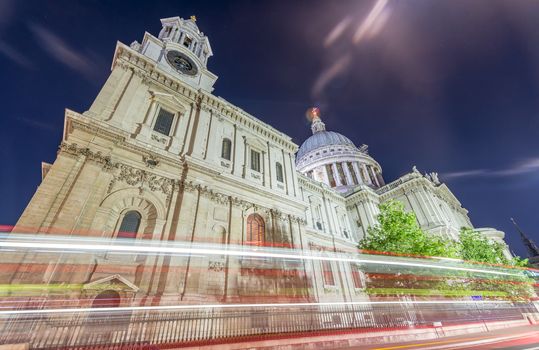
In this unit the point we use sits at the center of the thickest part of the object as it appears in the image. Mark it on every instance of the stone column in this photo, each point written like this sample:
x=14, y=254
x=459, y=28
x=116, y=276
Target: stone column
x=269, y=167
x=436, y=210
x=336, y=175
x=349, y=177
x=233, y=150
x=245, y=150
x=106, y=101
x=285, y=173
x=373, y=176
x=125, y=99
x=355, y=166
x=416, y=207
x=293, y=174
x=367, y=178
x=325, y=174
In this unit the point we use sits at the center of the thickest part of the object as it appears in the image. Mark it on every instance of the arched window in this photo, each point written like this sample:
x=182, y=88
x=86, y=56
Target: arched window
x=226, y=149
x=130, y=225
x=279, y=172
x=255, y=230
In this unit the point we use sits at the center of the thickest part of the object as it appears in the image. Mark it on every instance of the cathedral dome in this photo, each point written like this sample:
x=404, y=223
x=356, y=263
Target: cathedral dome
x=321, y=139
x=333, y=159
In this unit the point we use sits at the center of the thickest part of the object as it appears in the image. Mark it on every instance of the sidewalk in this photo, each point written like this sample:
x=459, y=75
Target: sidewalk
x=484, y=339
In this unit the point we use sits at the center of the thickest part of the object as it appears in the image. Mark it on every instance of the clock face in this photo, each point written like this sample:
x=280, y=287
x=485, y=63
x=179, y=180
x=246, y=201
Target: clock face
x=181, y=62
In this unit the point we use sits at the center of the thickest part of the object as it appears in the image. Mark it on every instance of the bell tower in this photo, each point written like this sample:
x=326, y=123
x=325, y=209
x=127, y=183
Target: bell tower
x=182, y=50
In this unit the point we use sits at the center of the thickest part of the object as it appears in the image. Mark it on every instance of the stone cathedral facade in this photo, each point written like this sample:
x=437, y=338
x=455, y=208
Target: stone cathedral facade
x=159, y=157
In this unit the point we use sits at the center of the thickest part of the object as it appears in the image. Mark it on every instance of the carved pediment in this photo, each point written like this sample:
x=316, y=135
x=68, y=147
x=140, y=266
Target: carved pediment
x=113, y=282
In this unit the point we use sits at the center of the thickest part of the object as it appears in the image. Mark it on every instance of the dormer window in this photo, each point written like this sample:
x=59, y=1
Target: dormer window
x=163, y=123
x=187, y=41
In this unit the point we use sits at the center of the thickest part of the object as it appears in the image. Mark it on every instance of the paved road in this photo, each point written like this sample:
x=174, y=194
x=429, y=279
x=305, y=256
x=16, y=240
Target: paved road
x=512, y=338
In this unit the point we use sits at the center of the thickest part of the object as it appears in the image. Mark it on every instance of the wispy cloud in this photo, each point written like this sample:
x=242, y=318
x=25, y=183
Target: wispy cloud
x=36, y=123
x=14, y=55
x=62, y=52
x=524, y=167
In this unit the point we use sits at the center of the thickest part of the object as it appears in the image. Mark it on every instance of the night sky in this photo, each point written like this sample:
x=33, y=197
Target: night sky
x=449, y=86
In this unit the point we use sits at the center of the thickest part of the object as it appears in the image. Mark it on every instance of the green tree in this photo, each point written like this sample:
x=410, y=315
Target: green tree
x=476, y=247
x=397, y=231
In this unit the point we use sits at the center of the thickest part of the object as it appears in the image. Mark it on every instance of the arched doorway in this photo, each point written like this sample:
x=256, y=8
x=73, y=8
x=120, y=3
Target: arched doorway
x=107, y=298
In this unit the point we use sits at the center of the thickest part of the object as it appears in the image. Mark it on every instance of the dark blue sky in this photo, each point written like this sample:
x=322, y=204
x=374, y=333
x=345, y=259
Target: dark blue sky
x=450, y=86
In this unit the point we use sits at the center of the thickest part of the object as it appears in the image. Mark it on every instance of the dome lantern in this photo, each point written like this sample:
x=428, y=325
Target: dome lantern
x=316, y=123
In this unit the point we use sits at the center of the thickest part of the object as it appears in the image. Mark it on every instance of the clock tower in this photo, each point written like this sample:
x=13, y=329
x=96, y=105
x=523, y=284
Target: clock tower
x=181, y=50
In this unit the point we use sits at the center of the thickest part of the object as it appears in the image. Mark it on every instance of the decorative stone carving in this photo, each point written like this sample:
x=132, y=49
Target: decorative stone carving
x=434, y=178
x=135, y=45
x=162, y=140
x=216, y=266
x=150, y=160
x=97, y=157
x=141, y=178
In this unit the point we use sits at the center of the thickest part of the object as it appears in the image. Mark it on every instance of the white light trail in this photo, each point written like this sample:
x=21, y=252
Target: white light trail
x=214, y=251
x=239, y=306
x=370, y=22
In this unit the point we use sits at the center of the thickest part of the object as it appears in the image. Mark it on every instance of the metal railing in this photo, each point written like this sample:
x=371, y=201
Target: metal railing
x=142, y=330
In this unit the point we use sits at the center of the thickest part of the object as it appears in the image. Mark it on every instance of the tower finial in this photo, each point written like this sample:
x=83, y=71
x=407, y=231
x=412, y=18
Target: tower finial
x=532, y=248
x=193, y=18
x=316, y=123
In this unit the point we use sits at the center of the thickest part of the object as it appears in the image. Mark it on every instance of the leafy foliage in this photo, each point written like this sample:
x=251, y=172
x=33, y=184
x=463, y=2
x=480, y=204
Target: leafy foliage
x=475, y=247
x=399, y=232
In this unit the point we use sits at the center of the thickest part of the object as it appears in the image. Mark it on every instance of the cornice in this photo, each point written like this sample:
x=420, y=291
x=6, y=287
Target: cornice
x=240, y=183
x=225, y=198
x=364, y=194
x=122, y=172
x=348, y=154
x=120, y=138
x=319, y=187
x=413, y=182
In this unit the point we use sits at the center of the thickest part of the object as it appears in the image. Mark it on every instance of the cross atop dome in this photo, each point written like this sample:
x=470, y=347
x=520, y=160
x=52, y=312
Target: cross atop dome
x=316, y=123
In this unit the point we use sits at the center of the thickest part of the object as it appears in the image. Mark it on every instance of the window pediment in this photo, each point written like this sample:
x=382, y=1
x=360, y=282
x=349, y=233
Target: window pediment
x=169, y=101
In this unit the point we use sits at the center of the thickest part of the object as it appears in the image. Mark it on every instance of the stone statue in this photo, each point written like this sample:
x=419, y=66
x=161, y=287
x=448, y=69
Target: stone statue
x=434, y=177
x=414, y=169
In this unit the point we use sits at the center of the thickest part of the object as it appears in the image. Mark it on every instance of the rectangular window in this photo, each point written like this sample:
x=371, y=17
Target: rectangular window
x=356, y=276
x=226, y=149
x=328, y=273
x=163, y=122
x=255, y=160
x=279, y=172
x=187, y=41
